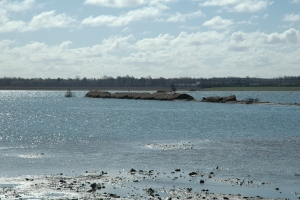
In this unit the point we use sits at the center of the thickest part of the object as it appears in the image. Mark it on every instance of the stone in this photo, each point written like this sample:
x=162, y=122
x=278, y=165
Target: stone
x=94, y=185
x=193, y=174
x=132, y=171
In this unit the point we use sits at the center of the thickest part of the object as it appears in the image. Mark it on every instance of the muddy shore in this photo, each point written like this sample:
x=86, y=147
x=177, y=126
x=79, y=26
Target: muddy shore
x=130, y=184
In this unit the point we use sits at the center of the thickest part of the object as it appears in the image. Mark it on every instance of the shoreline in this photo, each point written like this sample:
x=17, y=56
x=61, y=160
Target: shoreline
x=130, y=184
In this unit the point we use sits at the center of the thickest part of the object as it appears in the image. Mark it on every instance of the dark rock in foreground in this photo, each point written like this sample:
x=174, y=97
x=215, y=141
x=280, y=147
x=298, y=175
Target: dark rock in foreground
x=162, y=96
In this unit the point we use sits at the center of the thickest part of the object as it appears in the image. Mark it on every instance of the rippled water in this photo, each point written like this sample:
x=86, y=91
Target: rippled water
x=43, y=132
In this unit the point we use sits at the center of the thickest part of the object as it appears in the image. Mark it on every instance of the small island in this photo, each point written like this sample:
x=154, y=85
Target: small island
x=159, y=95
x=173, y=96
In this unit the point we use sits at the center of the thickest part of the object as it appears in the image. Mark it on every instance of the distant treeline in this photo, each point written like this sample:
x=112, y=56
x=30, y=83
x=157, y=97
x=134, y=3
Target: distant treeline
x=130, y=81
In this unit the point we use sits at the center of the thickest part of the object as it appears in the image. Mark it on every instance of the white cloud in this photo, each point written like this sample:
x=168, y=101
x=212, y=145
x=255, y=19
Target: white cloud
x=126, y=3
x=241, y=41
x=116, y=3
x=220, y=2
x=3, y=16
x=122, y=20
x=291, y=17
x=25, y=5
x=199, y=54
x=168, y=41
x=218, y=23
x=239, y=5
x=291, y=36
x=50, y=20
x=160, y=42
x=251, y=6
x=17, y=6
x=116, y=43
x=158, y=2
x=44, y=20
x=6, y=43
x=178, y=17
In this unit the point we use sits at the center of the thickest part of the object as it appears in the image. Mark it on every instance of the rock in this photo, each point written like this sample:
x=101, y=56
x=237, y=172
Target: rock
x=162, y=96
x=193, y=174
x=132, y=171
x=177, y=170
x=201, y=181
x=94, y=185
x=150, y=191
x=218, y=99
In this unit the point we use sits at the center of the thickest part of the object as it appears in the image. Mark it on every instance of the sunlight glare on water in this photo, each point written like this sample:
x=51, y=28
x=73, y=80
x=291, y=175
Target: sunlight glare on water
x=44, y=132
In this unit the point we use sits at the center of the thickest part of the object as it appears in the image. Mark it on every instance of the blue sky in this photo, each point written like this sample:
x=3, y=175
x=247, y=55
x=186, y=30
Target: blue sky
x=157, y=38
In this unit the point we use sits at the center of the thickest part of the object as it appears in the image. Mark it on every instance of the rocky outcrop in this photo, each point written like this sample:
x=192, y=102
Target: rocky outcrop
x=161, y=96
x=218, y=99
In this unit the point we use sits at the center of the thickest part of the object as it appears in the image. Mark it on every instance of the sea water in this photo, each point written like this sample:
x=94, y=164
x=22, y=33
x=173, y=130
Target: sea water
x=43, y=132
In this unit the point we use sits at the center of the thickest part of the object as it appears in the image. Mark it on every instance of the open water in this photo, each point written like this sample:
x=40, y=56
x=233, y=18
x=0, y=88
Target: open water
x=42, y=132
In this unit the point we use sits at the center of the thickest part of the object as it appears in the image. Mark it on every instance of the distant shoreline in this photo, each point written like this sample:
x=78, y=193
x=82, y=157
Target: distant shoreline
x=155, y=88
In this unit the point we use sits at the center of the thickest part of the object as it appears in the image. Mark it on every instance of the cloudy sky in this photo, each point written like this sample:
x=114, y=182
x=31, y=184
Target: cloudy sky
x=158, y=38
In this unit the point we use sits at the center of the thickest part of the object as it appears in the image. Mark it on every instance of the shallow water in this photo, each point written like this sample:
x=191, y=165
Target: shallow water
x=42, y=132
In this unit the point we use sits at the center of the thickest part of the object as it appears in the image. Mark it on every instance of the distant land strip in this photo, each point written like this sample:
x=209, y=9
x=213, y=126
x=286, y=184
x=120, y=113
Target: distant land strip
x=156, y=88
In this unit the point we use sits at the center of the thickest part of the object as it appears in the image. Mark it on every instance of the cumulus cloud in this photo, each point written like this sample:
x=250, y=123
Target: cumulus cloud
x=116, y=3
x=218, y=23
x=241, y=41
x=6, y=43
x=126, y=3
x=220, y=2
x=239, y=5
x=189, y=54
x=291, y=17
x=178, y=17
x=17, y=6
x=47, y=19
x=251, y=6
x=117, y=43
x=122, y=20
x=50, y=20
x=291, y=36
x=168, y=41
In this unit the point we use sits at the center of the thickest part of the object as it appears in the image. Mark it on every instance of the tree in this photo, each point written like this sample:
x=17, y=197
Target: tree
x=173, y=88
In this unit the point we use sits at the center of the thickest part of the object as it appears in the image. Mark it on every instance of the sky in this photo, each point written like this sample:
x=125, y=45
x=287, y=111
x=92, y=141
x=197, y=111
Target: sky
x=142, y=38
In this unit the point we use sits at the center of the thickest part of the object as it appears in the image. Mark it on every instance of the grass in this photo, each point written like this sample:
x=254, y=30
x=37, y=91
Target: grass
x=254, y=89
